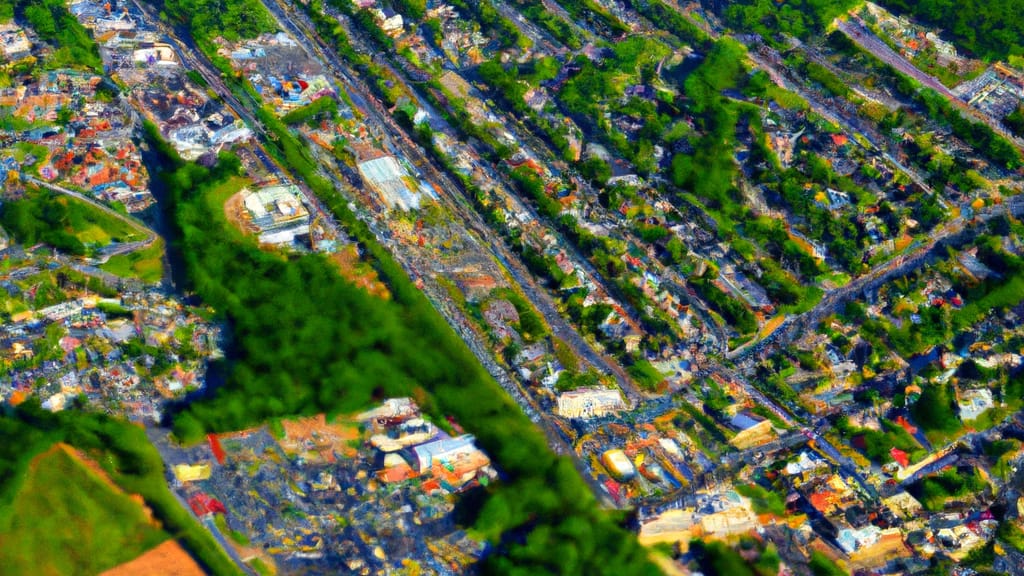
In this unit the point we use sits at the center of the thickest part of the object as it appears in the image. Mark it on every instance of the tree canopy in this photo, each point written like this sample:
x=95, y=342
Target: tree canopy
x=232, y=19
x=990, y=29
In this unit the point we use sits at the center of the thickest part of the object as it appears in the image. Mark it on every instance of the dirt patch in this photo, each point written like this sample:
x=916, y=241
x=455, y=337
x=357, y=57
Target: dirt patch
x=359, y=273
x=237, y=215
x=316, y=438
x=167, y=559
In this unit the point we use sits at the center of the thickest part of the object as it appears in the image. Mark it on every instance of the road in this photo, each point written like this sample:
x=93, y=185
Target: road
x=531, y=30
x=159, y=441
x=831, y=303
x=860, y=34
x=455, y=200
x=954, y=231
x=191, y=57
x=375, y=114
x=849, y=122
x=113, y=249
x=452, y=194
x=96, y=204
x=360, y=95
x=857, y=31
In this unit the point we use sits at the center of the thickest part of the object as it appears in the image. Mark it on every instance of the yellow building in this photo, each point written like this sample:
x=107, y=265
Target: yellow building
x=191, y=472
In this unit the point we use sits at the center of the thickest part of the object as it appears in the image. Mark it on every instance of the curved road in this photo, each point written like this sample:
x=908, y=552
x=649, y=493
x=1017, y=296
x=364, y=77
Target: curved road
x=121, y=248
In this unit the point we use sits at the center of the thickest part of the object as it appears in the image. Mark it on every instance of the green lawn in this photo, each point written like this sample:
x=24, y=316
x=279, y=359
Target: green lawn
x=146, y=264
x=763, y=501
x=66, y=519
x=219, y=194
x=93, y=226
x=934, y=491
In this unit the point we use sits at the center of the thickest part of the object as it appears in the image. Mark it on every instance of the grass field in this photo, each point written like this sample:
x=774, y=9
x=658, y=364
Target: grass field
x=219, y=195
x=93, y=226
x=146, y=264
x=67, y=519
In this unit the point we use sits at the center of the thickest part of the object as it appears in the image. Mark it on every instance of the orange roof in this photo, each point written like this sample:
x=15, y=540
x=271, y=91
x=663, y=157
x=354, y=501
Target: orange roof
x=396, y=474
x=18, y=397
x=910, y=428
x=822, y=501
x=840, y=139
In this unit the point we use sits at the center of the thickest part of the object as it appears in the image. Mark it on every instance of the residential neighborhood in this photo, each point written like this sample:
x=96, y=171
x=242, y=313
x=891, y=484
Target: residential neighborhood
x=512, y=287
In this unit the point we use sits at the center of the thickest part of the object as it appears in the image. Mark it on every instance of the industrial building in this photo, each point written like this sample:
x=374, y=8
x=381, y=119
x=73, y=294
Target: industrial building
x=445, y=452
x=393, y=183
x=278, y=213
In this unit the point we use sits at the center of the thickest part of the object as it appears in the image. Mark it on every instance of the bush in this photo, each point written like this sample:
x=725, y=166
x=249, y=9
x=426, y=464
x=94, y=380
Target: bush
x=935, y=409
x=822, y=565
x=325, y=105
x=232, y=19
x=763, y=501
x=41, y=217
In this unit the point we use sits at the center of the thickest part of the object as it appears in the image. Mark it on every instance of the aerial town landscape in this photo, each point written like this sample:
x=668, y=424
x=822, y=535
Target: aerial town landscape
x=512, y=287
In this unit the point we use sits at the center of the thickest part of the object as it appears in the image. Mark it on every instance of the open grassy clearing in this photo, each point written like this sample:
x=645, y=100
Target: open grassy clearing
x=146, y=264
x=68, y=519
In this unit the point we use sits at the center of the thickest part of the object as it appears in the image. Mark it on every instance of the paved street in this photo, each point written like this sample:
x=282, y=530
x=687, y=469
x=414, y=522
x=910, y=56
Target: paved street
x=857, y=31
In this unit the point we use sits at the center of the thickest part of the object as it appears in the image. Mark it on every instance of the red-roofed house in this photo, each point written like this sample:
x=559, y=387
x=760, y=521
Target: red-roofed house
x=910, y=428
x=218, y=450
x=824, y=501
x=202, y=505
x=899, y=456
x=396, y=474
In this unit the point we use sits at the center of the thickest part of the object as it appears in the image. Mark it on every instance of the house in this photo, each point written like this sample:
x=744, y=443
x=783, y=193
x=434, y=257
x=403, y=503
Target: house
x=615, y=327
x=901, y=457
x=390, y=21
x=157, y=53
x=389, y=178
x=14, y=44
x=499, y=315
x=903, y=505
x=278, y=213
x=837, y=199
x=806, y=464
x=391, y=412
x=204, y=505
x=877, y=547
x=618, y=465
x=185, y=473
x=641, y=91
x=738, y=519
x=751, y=430
x=671, y=526
x=446, y=451
x=589, y=402
x=501, y=311
x=973, y=403
x=715, y=515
